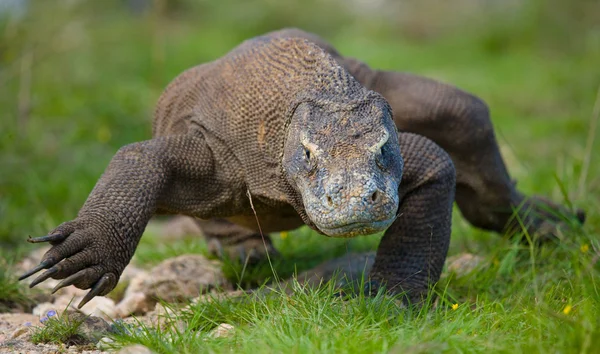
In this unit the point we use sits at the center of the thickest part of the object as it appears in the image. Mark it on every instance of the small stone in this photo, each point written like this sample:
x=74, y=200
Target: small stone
x=133, y=304
x=164, y=317
x=92, y=328
x=42, y=309
x=20, y=331
x=223, y=330
x=130, y=272
x=99, y=306
x=104, y=343
x=182, y=278
x=464, y=263
x=135, y=349
x=218, y=296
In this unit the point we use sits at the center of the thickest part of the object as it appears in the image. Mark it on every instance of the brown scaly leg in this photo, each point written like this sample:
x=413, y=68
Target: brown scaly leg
x=412, y=251
x=174, y=174
x=460, y=123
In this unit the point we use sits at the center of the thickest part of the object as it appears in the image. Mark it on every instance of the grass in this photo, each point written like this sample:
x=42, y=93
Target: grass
x=60, y=329
x=12, y=293
x=77, y=85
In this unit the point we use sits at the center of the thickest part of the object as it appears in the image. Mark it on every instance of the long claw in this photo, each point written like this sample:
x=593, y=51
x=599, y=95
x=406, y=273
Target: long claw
x=68, y=281
x=47, y=274
x=42, y=265
x=96, y=289
x=47, y=238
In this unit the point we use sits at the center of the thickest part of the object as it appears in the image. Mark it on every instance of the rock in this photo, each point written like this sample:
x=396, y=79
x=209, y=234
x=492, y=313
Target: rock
x=92, y=328
x=464, y=263
x=99, y=306
x=105, y=343
x=42, y=309
x=20, y=331
x=10, y=322
x=137, y=283
x=130, y=272
x=134, y=304
x=135, y=301
x=135, y=349
x=164, y=316
x=222, y=331
x=182, y=278
x=212, y=296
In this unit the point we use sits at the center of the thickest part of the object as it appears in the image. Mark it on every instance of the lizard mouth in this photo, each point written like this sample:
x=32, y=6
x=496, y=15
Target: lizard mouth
x=357, y=228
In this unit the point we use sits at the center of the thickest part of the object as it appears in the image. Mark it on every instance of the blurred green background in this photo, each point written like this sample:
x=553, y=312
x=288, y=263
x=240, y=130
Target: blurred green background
x=79, y=79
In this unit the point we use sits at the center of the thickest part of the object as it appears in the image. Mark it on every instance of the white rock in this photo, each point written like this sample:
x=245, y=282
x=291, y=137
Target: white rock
x=104, y=343
x=183, y=278
x=464, y=263
x=223, y=330
x=42, y=309
x=130, y=272
x=99, y=306
x=135, y=349
x=133, y=304
x=20, y=331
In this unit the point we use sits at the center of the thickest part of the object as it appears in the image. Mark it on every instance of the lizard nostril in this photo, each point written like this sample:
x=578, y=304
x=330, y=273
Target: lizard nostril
x=375, y=196
x=329, y=201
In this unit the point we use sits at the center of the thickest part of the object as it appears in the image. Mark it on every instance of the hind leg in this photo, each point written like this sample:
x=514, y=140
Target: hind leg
x=229, y=240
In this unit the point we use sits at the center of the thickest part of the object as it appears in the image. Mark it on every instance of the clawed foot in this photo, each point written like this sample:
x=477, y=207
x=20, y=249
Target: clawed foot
x=78, y=256
x=251, y=251
x=544, y=220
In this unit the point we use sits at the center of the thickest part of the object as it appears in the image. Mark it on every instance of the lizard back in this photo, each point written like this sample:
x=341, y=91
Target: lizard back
x=242, y=103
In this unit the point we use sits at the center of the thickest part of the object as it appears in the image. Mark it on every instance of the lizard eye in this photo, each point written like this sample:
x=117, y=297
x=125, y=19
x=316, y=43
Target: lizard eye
x=309, y=161
x=381, y=157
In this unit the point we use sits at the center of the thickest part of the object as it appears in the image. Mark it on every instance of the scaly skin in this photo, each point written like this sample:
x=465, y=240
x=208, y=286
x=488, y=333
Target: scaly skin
x=305, y=136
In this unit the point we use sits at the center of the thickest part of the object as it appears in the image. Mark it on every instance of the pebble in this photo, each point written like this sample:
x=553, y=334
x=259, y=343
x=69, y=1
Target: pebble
x=223, y=330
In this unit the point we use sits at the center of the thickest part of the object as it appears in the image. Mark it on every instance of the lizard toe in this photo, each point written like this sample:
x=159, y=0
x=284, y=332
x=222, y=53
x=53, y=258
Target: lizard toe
x=103, y=286
x=52, y=238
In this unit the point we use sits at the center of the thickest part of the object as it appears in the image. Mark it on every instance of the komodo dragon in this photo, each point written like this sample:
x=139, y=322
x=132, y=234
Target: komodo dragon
x=286, y=126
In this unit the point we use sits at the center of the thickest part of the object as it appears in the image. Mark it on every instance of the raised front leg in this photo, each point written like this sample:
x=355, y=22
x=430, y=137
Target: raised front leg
x=412, y=251
x=169, y=174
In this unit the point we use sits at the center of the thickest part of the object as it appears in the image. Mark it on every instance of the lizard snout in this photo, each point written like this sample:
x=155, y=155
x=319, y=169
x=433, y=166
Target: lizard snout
x=336, y=195
x=354, y=203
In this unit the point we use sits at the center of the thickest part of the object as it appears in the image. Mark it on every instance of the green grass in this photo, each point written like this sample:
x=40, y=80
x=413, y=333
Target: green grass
x=80, y=83
x=60, y=329
x=13, y=295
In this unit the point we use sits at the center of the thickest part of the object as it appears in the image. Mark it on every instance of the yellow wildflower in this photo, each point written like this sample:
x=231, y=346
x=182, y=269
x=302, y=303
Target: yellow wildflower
x=585, y=248
x=567, y=309
x=283, y=235
x=454, y=306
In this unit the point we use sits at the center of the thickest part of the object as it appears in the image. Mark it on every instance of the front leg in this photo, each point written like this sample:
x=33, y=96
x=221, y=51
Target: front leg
x=412, y=251
x=93, y=250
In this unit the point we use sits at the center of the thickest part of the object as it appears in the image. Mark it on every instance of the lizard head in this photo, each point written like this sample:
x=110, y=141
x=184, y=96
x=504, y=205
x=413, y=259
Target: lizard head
x=344, y=159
